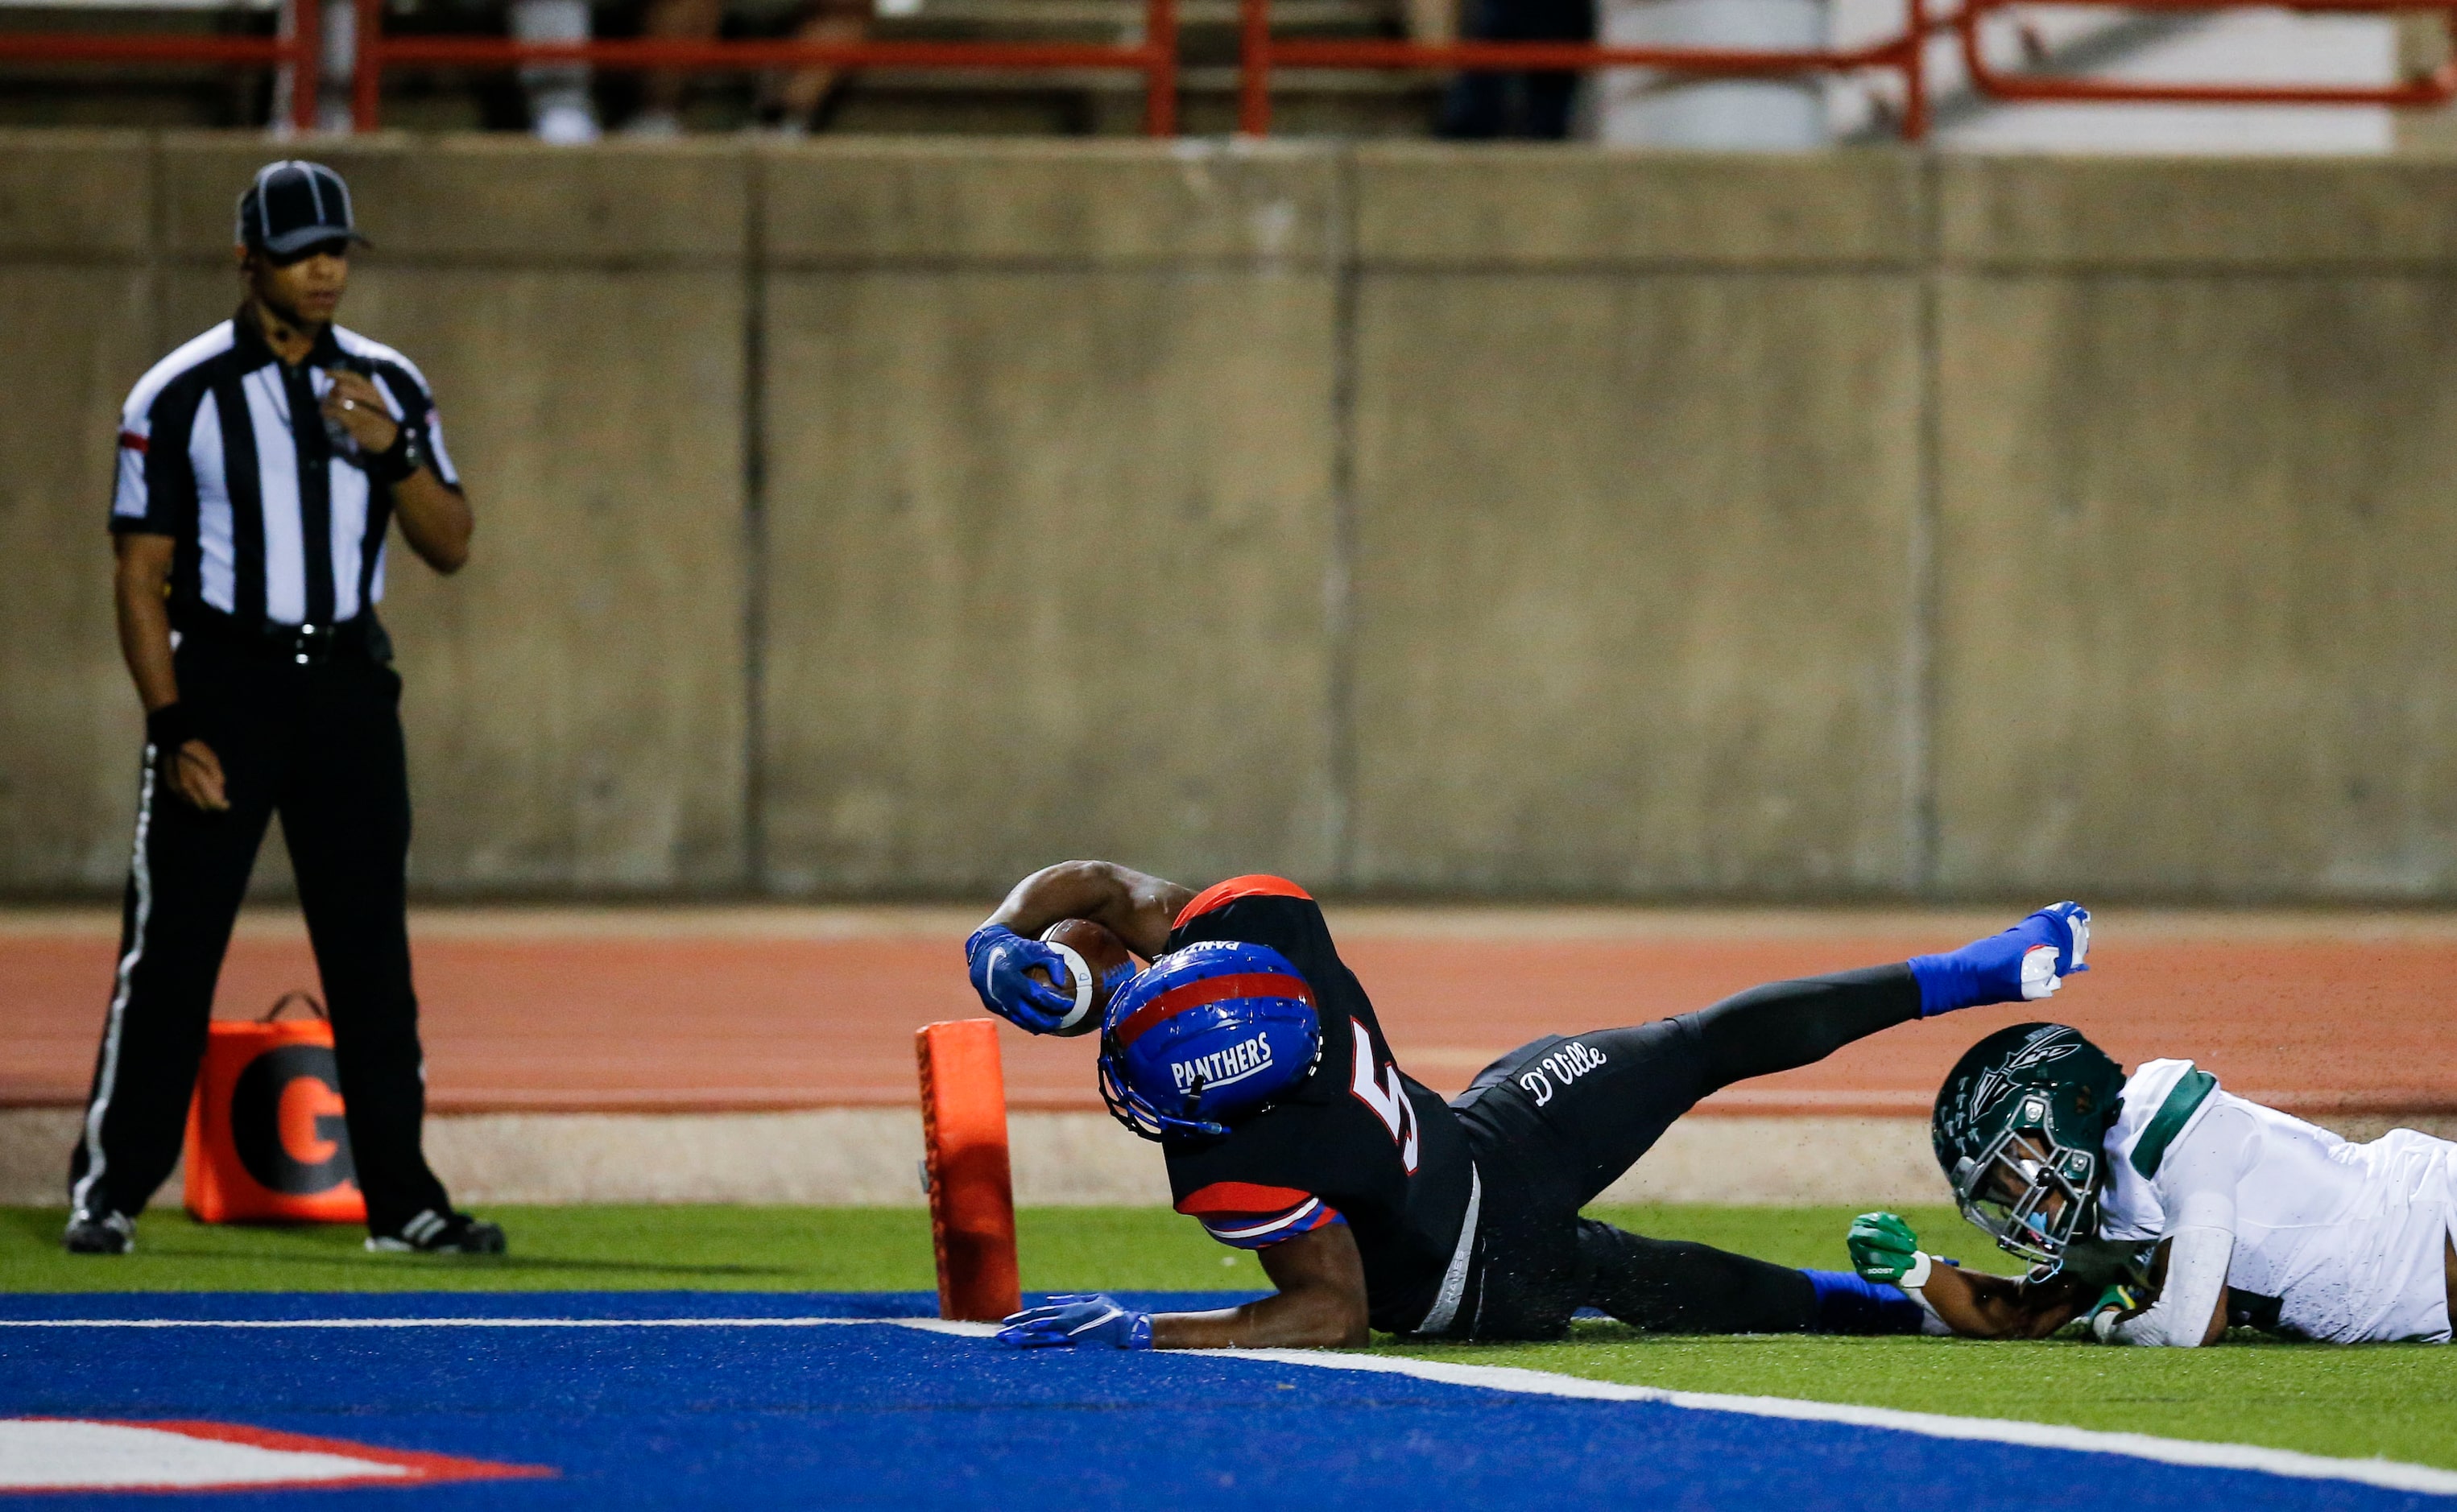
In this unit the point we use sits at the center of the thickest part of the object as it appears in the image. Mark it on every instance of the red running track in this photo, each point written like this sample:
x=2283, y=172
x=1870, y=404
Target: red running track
x=750, y=1009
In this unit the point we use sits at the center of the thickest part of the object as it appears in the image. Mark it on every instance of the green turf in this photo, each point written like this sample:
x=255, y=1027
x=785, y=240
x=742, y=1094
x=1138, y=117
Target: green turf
x=627, y=1249
x=2395, y=1400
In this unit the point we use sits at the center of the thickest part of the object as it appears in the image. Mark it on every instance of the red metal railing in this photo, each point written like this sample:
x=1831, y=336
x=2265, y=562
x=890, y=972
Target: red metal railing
x=1154, y=57
x=296, y=52
x=2436, y=88
x=1904, y=52
x=1261, y=52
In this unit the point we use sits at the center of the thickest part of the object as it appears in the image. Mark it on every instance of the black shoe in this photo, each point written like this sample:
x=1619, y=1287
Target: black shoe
x=99, y=1233
x=433, y=1232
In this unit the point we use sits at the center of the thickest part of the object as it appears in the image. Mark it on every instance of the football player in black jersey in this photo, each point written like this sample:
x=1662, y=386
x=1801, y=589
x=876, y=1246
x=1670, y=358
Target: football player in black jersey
x=1252, y=1053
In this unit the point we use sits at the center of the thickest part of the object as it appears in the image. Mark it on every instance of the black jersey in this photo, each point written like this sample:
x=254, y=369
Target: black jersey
x=1358, y=1141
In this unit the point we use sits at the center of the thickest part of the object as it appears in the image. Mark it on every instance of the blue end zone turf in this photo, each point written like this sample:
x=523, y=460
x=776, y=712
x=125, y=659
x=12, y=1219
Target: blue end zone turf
x=879, y=1415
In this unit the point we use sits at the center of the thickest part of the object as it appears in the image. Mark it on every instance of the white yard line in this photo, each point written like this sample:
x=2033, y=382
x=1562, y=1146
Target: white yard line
x=2388, y=1474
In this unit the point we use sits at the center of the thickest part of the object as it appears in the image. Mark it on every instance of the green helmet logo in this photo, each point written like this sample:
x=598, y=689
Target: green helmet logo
x=2019, y=1129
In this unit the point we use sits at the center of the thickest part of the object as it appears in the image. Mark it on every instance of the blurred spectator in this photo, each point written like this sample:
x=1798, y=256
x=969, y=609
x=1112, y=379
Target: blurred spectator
x=560, y=108
x=336, y=52
x=1482, y=106
x=796, y=104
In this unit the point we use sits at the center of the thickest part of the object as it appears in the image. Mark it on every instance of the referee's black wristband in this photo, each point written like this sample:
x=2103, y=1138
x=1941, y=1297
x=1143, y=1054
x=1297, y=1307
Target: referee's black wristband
x=401, y=460
x=169, y=727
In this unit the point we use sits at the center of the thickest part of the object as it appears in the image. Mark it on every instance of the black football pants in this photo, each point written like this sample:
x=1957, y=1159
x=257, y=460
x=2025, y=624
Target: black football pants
x=1554, y=1123
x=321, y=743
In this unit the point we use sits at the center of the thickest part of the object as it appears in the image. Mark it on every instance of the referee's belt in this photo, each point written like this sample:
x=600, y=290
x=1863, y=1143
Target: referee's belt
x=298, y=644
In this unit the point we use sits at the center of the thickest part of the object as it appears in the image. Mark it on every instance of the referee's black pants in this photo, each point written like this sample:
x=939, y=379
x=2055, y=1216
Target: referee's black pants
x=322, y=744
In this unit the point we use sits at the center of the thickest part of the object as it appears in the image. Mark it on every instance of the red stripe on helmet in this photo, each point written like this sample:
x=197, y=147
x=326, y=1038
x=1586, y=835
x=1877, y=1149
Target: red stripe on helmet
x=1243, y=1196
x=133, y=441
x=1210, y=989
x=1219, y=894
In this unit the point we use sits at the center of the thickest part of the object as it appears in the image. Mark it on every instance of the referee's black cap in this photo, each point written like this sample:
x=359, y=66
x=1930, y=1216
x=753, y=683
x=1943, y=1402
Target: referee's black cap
x=294, y=205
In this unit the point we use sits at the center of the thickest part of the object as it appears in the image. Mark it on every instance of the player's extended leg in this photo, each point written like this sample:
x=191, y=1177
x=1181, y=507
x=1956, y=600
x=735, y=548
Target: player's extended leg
x=1555, y=1122
x=1583, y=1109
x=1575, y=1112
x=1672, y=1286
x=1782, y=1026
x=1786, y=1025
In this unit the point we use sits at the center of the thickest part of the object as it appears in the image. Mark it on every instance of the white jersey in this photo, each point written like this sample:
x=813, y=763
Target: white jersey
x=2348, y=1239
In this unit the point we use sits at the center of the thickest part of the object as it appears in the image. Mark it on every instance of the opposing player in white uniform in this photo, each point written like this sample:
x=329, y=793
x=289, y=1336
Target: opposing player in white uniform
x=2163, y=1208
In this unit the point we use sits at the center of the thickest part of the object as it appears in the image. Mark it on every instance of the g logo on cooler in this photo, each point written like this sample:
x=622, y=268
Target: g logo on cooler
x=286, y=1125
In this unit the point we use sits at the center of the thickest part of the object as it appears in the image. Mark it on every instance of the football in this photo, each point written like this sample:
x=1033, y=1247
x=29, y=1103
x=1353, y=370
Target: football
x=1097, y=963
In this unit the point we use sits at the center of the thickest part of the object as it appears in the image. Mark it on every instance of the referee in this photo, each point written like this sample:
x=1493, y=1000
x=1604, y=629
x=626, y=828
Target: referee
x=259, y=467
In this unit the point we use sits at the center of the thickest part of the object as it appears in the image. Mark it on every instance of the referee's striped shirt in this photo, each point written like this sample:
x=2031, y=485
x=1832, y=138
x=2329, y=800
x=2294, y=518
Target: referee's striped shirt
x=223, y=448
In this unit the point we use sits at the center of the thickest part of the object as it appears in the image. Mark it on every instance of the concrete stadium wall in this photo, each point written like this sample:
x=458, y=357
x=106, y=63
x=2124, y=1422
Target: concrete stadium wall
x=2195, y=462
x=76, y=276
x=1637, y=475
x=878, y=517
x=1048, y=503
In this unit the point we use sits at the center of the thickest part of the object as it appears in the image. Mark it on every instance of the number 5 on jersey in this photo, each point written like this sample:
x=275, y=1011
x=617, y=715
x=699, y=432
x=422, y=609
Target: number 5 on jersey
x=1388, y=1099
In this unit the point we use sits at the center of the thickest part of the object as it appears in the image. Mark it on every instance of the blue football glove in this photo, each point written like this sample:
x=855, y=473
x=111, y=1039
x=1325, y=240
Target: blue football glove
x=2022, y=964
x=1065, y=1323
x=998, y=957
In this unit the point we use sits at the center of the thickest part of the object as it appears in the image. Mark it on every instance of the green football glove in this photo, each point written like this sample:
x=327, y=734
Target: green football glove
x=1882, y=1247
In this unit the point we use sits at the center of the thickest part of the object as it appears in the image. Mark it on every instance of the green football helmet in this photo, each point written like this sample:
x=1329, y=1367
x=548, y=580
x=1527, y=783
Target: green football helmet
x=2020, y=1127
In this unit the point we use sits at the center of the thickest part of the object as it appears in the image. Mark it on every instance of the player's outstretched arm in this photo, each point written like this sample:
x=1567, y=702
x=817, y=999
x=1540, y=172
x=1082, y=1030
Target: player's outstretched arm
x=1978, y=1306
x=1320, y=1304
x=1884, y=1248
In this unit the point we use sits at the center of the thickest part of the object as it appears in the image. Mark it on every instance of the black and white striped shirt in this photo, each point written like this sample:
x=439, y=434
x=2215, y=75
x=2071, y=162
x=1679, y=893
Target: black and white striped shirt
x=223, y=448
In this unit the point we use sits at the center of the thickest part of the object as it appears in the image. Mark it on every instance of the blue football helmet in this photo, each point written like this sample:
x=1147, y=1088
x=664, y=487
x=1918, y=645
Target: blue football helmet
x=1204, y=1034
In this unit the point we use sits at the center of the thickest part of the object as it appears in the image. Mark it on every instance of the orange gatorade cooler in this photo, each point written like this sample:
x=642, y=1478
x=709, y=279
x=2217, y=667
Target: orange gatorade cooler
x=265, y=1135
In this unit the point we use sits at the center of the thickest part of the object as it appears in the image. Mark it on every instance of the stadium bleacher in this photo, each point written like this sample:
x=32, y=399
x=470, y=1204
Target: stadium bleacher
x=2194, y=76
x=892, y=100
